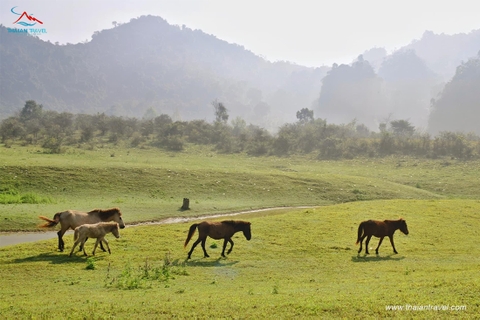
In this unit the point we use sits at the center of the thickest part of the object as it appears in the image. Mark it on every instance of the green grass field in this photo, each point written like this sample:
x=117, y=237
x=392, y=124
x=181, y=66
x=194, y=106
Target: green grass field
x=300, y=263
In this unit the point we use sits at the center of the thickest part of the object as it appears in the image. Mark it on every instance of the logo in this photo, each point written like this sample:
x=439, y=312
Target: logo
x=28, y=21
x=29, y=17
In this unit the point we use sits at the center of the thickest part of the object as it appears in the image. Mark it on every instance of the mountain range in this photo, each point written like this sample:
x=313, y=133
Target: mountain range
x=147, y=67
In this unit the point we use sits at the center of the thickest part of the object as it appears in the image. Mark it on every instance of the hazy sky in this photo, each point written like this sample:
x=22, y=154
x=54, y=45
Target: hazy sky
x=306, y=32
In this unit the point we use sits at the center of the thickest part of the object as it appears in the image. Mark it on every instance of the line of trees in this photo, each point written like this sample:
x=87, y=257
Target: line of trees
x=55, y=131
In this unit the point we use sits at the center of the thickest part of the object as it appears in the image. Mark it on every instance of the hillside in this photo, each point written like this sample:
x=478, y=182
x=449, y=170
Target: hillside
x=149, y=64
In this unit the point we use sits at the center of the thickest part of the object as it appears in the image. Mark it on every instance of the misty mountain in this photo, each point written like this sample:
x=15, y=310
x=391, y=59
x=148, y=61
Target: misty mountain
x=404, y=86
x=149, y=66
x=444, y=53
x=352, y=92
x=458, y=106
x=409, y=86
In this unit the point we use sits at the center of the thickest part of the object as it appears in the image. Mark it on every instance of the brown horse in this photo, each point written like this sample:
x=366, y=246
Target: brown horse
x=98, y=231
x=379, y=229
x=71, y=219
x=217, y=230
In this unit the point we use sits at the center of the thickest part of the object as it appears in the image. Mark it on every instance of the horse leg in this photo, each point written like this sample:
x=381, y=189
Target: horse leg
x=95, y=246
x=61, y=244
x=225, y=241
x=83, y=247
x=366, y=244
x=106, y=242
x=391, y=241
x=379, y=243
x=205, y=254
x=74, y=245
x=193, y=247
x=361, y=242
x=83, y=243
x=231, y=246
x=101, y=247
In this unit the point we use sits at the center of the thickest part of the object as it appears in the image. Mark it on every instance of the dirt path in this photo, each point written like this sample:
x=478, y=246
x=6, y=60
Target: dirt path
x=8, y=239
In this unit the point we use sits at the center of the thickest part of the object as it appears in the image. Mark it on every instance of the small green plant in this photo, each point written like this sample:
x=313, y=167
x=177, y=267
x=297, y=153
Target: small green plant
x=144, y=275
x=275, y=289
x=214, y=245
x=90, y=264
x=128, y=279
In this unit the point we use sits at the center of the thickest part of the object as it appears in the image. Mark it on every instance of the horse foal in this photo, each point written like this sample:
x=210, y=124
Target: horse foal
x=379, y=229
x=98, y=231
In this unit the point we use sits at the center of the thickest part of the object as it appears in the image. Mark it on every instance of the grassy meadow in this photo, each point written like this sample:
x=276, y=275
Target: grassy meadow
x=300, y=263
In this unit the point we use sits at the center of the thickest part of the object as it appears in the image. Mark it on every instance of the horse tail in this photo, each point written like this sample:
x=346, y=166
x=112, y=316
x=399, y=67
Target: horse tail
x=76, y=234
x=360, y=231
x=50, y=223
x=190, y=233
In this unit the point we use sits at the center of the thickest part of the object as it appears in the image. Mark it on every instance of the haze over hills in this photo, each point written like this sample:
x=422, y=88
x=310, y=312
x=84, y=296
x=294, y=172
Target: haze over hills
x=147, y=67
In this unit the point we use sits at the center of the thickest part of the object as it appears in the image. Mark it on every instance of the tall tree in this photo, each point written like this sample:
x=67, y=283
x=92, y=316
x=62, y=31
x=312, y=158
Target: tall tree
x=31, y=110
x=305, y=115
x=221, y=112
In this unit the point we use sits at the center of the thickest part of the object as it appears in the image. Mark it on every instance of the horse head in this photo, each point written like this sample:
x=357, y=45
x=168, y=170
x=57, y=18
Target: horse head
x=246, y=231
x=403, y=226
x=115, y=231
x=118, y=218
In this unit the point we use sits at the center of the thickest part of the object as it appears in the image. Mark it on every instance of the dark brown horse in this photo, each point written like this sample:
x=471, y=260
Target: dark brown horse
x=217, y=230
x=71, y=219
x=379, y=229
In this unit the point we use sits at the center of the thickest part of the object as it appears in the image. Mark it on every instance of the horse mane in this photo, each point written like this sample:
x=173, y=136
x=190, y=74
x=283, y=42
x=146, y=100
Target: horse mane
x=107, y=213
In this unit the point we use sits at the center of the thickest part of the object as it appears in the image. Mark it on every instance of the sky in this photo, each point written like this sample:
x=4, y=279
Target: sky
x=311, y=33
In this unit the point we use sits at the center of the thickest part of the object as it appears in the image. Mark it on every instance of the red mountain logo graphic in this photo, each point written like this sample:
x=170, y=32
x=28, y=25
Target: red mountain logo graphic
x=29, y=17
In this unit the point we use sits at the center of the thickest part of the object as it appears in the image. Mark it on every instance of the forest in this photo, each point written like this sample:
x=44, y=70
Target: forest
x=56, y=131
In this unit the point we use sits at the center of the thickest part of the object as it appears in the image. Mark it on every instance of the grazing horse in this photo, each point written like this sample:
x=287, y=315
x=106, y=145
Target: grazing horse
x=379, y=229
x=98, y=231
x=72, y=219
x=217, y=230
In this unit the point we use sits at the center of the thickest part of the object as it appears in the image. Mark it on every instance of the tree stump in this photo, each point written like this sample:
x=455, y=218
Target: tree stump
x=186, y=204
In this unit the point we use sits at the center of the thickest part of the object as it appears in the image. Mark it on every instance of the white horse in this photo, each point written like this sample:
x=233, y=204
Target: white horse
x=98, y=231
